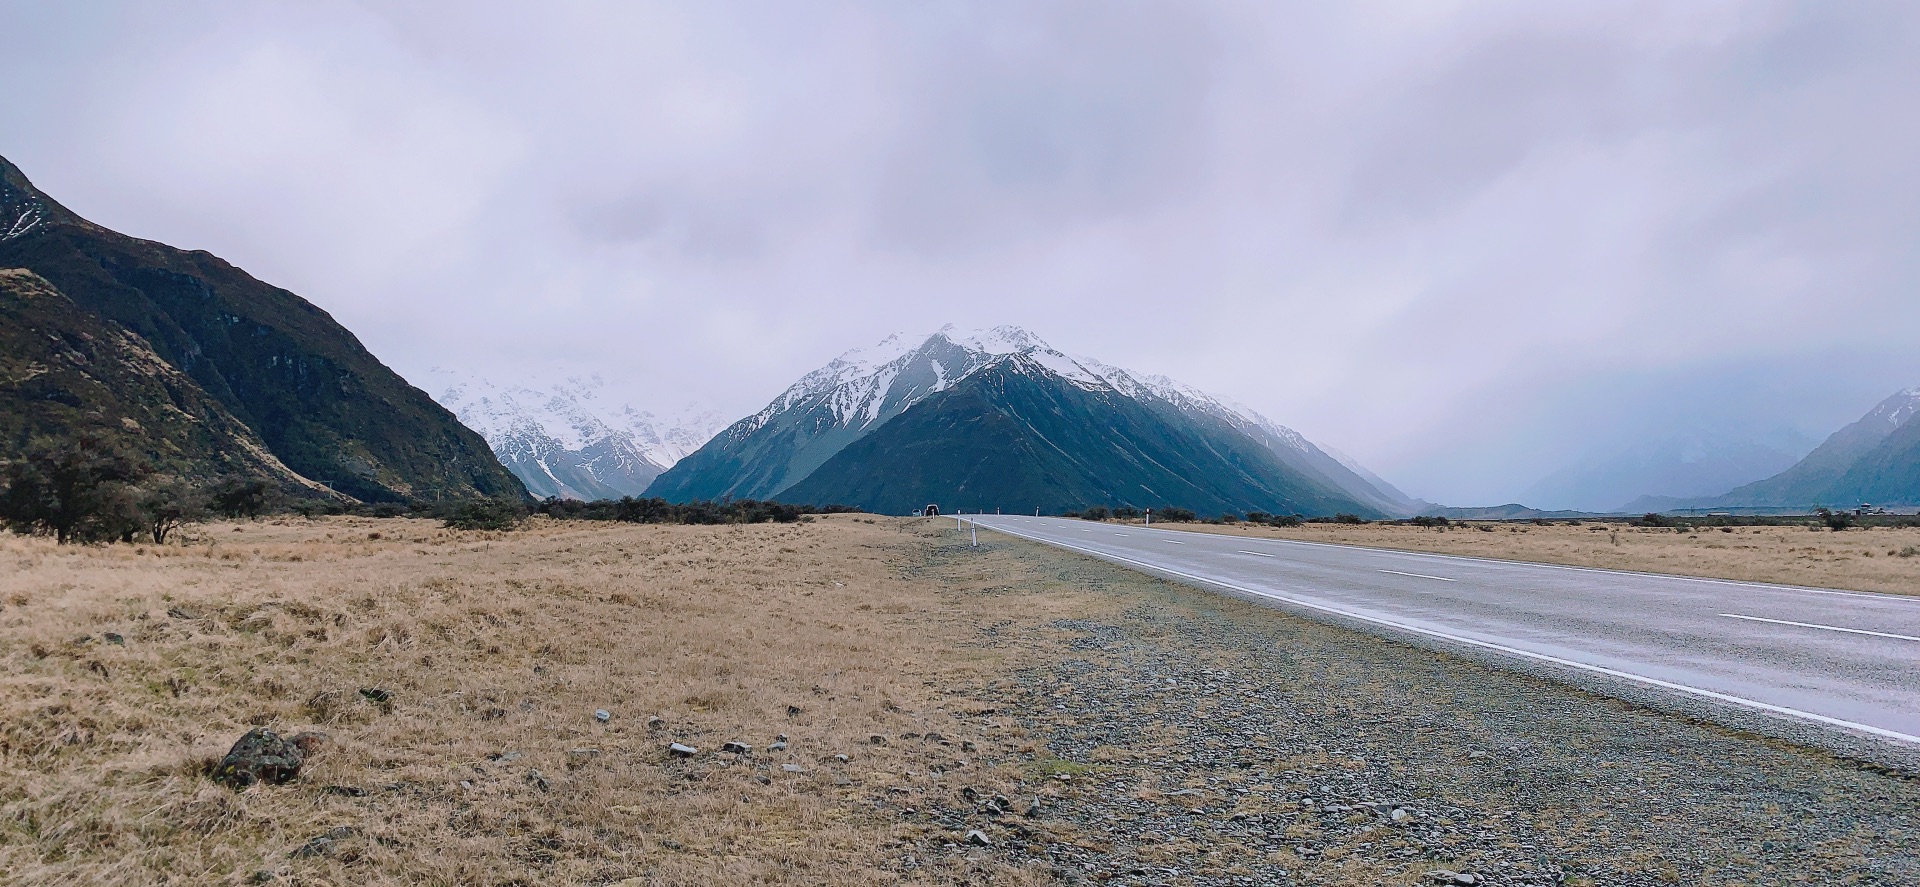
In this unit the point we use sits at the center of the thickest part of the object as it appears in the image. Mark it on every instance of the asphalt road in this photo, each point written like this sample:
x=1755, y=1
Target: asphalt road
x=1845, y=660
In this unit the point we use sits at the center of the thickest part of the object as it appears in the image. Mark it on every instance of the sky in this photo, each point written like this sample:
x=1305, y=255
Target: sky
x=1467, y=244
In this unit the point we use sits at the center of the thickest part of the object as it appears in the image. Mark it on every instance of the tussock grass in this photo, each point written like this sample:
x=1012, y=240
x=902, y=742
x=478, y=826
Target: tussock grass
x=1861, y=560
x=482, y=762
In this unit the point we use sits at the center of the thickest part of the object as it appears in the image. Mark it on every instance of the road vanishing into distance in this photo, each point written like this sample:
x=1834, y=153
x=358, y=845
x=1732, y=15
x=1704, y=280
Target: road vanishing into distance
x=1847, y=660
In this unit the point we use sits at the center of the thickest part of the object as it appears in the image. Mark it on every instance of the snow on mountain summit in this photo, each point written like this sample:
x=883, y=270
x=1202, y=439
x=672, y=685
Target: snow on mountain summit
x=570, y=437
x=864, y=389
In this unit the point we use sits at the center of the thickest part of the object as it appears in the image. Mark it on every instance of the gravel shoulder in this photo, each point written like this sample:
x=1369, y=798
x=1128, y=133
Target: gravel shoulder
x=1184, y=737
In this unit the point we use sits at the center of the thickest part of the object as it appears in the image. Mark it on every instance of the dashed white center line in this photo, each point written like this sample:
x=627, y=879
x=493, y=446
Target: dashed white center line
x=1254, y=553
x=1417, y=575
x=1173, y=541
x=1878, y=634
x=1123, y=534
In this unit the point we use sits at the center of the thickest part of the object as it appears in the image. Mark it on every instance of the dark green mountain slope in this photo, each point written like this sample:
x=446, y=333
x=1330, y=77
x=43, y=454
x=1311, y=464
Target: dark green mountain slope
x=308, y=390
x=1017, y=436
x=65, y=373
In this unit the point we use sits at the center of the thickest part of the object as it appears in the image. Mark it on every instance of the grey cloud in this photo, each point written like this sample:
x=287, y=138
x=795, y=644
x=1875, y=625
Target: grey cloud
x=1469, y=245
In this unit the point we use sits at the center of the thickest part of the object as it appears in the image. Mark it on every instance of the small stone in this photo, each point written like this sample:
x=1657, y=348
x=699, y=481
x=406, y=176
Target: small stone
x=182, y=613
x=539, y=781
x=377, y=695
x=876, y=739
x=656, y=723
x=736, y=748
x=978, y=838
x=792, y=768
x=1033, y=808
x=842, y=758
x=321, y=846
x=793, y=711
x=682, y=751
x=966, y=745
x=506, y=757
x=1401, y=814
x=781, y=737
x=259, y=756
x=602, y=715
x=778, y=745
x=582, y=752
x=116, y=639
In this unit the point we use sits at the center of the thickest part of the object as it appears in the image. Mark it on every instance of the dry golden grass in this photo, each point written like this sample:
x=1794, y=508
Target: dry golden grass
x=493, y=644
x=1880, y=559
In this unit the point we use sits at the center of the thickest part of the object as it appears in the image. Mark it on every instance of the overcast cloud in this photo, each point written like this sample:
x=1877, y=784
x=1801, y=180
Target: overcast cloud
x=1465, y=243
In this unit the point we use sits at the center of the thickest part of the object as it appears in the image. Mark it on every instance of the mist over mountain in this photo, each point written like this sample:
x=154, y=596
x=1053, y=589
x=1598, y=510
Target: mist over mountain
x=572, y=438
x=1683, y=464
x=276, y=385
x=1875, y=459
x=775, y=452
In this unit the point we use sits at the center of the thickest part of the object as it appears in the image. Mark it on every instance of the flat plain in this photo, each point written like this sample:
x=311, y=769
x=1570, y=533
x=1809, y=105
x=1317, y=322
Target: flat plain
x=1878, y=559
x=1009, y=714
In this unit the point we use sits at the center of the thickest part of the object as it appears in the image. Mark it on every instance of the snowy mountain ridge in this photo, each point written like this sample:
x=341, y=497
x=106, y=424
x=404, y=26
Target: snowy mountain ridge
x=570, y=437
x=862, y=389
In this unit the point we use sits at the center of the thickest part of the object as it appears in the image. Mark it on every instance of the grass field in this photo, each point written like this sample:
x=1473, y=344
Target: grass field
x=1879, y=559
x=129, y=670
x=487, y=765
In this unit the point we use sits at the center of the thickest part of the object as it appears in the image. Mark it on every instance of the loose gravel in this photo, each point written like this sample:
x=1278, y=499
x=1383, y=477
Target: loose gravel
x=1195, y=739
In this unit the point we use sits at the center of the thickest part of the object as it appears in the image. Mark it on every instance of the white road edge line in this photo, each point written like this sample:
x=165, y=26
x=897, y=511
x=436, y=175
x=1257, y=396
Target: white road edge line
x=1418, y=575
x=1515, y=651
x=1878, y=634
x=1255, y=553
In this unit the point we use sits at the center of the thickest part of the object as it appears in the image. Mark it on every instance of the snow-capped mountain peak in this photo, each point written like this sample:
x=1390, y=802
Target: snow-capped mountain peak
x=570, y=437
x=863, y=389
x=1896, y=410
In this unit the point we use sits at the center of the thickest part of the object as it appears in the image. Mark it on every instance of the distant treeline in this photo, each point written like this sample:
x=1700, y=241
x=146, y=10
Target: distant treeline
x=659, y=511
x=1176, y=515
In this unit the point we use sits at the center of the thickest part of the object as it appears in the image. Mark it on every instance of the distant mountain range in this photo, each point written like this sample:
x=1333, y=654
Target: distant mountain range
x=1001, y=419
x=1874, y=460
x=1686, y=463
x=207, y=370
x=569, y=438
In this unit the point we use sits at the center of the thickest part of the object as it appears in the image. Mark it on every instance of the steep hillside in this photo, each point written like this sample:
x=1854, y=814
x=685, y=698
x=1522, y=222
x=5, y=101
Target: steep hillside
x=65, y=372
x=763, y=455
x=307, y=389
x=1876, y=459
x=1019, y=435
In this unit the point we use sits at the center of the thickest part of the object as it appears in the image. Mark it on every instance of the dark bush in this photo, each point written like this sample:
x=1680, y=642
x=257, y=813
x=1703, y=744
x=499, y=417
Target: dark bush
x=487, y=514
x=241, y=497
x=1834, y=520
x=660, y=511
x=1126, y=512
x=1175, y=515
x=1655, y=519
x=1097, y=512
x=1345, y=518
x=1284, y=520
x=168, y=504
x=79, y=490
x=1429, y=521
